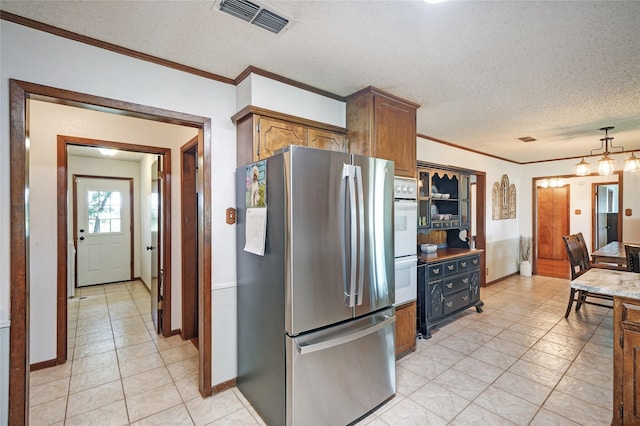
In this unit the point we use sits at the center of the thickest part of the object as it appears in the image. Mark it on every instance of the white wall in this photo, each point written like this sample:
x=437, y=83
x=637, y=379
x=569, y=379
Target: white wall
x=4, y=372
x=262, y=92
x=34, y=56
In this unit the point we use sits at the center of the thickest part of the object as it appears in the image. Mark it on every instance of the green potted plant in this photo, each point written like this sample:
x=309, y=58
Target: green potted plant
x=526, y=249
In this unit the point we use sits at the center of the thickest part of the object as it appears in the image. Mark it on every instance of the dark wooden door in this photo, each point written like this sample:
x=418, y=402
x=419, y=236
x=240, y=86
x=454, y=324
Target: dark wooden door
x=189, y=208
x=553, y=223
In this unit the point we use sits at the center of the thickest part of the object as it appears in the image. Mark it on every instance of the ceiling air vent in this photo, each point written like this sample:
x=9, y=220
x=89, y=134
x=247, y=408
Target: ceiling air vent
x=254, y=13
x=527, y=139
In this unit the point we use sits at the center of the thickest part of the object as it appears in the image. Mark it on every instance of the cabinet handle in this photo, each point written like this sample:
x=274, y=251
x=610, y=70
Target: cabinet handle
x=450, y=267
x=449, y=304
x=465, y=280
x=436, y=271
x=449, y=285
x=474, y=261
x=465, y=298
x=463, y=264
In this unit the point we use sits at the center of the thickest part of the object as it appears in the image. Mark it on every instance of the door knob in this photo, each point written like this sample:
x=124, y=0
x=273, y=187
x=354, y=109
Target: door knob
x=149, y=247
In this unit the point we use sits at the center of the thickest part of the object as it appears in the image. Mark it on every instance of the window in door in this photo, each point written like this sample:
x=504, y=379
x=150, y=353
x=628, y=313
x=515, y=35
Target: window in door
x=104, y=211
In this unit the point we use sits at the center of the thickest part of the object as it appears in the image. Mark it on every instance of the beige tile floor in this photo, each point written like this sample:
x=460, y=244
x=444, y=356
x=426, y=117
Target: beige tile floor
x=520, y=362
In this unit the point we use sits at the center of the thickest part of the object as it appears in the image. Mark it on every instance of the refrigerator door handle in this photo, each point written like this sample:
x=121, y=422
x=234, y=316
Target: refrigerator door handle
x=306, y=349
x=361, y=232
x=348, y=172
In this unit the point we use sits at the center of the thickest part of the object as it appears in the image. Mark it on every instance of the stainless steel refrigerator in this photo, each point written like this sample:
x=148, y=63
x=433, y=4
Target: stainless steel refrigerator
x=315, y=316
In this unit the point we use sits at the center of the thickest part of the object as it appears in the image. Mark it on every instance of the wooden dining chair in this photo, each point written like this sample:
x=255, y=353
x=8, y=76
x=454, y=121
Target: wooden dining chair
x=633, y=257
x=580, y=263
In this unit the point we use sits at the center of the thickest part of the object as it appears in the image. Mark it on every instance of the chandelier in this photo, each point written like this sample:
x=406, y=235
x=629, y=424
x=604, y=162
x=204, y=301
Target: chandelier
x=606, y=163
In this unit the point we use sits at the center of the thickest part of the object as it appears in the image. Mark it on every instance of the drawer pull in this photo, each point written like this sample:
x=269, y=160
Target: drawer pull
x=450, y=267
x=465, y=298
x=449, y=285
x=436, y=270
x=474, y=261
x=465, y=280
x=463, y=264
x=449, y=304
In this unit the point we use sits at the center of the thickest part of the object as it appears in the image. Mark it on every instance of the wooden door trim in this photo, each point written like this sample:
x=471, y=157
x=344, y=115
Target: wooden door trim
x=75, y=221
x=593, y=208
x=19, y=93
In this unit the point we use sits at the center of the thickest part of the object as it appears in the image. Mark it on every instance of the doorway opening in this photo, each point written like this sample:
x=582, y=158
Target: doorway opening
x=20, y=93
x=607, y=220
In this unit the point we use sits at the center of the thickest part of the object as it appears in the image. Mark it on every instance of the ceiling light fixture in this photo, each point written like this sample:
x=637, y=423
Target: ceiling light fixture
x=606, y=163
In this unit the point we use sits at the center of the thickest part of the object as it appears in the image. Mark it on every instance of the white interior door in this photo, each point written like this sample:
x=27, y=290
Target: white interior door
x=103, y=230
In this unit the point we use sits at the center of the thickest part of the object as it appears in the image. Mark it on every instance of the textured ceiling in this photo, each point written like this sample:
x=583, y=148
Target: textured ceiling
x=485, y=73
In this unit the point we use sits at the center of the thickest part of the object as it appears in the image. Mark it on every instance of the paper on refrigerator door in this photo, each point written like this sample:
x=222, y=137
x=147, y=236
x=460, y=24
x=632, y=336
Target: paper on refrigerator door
x=256, y=230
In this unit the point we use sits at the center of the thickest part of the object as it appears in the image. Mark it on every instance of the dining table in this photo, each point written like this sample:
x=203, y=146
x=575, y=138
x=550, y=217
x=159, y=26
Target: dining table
x=613, y=252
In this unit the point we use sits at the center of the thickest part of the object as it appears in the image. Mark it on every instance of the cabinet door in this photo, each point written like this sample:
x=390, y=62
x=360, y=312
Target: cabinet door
x=326, y=140
x=395, y=135
x=631, y=373
x=465, y=210
x=474, y=286
x=434, y=300
x=275, y=134
x=405, y=328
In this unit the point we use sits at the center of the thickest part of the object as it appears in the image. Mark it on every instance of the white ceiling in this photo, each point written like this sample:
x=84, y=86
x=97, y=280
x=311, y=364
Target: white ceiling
x=484, y=72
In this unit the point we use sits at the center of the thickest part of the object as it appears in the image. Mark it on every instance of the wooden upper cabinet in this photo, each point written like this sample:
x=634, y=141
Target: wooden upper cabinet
x=272, y=135
x=261, y=133
x=326, y=140
x=384, y=126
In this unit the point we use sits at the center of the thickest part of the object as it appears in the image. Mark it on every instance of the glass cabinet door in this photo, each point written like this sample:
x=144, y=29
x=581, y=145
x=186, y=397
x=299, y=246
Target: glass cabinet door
x=464, y=214
x=464, y=187
x=424, y=184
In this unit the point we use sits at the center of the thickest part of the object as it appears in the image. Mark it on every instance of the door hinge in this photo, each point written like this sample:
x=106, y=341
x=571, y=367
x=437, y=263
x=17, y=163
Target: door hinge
x=258, y=127
x=622, y=341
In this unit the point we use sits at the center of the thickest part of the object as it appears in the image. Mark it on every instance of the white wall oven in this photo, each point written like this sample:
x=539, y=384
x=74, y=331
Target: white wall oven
x=406, y=229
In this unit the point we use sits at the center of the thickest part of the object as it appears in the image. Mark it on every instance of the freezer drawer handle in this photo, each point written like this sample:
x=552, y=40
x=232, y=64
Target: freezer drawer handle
x=306, y=349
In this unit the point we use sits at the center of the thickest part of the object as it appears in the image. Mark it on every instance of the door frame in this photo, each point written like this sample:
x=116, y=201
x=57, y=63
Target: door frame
x=19, y=93
x=594, y=202
x=534, y=207
x=62, y=183
x=75, y=224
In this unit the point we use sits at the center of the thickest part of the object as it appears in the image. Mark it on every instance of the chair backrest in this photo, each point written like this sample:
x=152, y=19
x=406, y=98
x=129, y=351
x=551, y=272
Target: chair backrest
x=583, y=249
x=576, y=258
x=633, y=257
